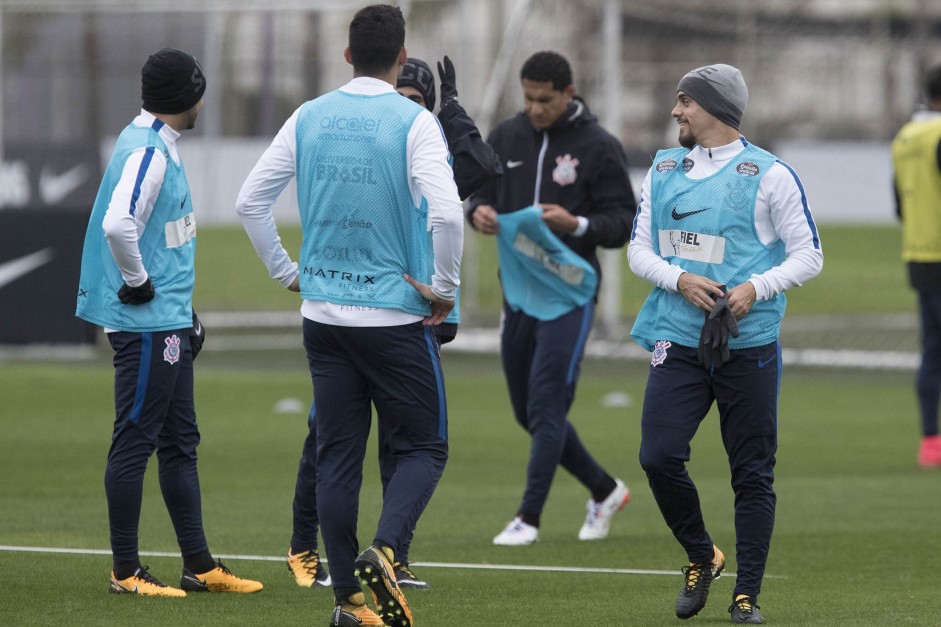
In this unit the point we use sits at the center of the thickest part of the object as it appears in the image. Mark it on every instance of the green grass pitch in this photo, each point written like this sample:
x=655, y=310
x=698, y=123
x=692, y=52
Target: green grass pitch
x=855, y=543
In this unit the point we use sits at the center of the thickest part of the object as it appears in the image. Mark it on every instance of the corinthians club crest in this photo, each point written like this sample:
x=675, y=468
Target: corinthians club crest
x=171, y=354
x=564, y=172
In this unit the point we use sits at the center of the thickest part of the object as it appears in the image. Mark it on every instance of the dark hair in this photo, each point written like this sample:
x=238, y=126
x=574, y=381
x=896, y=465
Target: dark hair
x=933, y=83
x=377, y=34
x=547, y=67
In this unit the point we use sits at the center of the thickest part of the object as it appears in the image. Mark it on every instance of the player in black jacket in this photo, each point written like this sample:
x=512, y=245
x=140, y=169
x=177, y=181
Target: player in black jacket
x=556, y=156
x=474, y=163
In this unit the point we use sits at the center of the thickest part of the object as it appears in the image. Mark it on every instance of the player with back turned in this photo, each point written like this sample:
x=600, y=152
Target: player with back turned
x=474, y=163
x=375, y=186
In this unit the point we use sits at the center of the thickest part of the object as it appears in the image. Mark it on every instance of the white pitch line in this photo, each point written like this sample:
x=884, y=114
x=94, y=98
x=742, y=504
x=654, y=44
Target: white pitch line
x=279, y=558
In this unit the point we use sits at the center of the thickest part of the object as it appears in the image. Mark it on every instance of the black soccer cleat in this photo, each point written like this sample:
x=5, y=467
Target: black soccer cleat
x=406, y=577
x=699, y=577
x=744, y=610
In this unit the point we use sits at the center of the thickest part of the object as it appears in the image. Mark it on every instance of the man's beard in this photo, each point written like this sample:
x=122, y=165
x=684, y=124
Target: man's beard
x=686, y=139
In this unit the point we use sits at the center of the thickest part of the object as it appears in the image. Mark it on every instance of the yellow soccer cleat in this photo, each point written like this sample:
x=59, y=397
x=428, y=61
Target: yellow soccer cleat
x=308, y=569
x=355, y=613
x=219, y=579
x=374, y=569
x=143, y=583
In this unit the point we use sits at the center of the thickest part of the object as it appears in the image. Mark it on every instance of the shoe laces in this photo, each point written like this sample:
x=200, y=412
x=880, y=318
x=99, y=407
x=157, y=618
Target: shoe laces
x=223, y=568
x=745, y=604
x=594, y=512
x=694, y=573
x=310, y=561
x=143, y=573
x=517, y=525
x=402, y=567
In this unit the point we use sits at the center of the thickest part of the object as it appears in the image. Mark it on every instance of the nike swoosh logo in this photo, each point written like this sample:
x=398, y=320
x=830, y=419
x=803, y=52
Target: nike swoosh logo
x=197, y=328
x=117, y=583
x=54, y=188
x=196, y=581
x=764, y=362
x=686, y=214
x=12, y=270
x=513, y=164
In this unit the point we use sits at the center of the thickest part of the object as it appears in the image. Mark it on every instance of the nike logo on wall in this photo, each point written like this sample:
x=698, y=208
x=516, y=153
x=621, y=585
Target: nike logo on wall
x=14, y=269
x=54, y=188
x=513, y=164
x=685, y=214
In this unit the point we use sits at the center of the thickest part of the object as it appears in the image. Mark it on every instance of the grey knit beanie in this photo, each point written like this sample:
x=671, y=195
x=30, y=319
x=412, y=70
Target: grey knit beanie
x=719, y=89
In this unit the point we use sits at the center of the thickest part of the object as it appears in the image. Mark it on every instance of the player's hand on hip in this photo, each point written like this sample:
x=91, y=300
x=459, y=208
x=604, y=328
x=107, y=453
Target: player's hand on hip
x=741, y=299
x=440, y=308
x=558, y=218
x=143, y=293
x=295, y=285
x=699, y=290
x=485, y=219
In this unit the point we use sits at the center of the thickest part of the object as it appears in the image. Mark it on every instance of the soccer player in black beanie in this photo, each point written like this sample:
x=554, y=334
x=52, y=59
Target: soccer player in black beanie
x=137, y=277
x=172, y=82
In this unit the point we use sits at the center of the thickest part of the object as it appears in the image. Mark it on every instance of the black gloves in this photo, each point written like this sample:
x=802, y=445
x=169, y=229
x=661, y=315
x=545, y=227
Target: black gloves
x=713, y=350
x=143, y=293
x=197, y=335
x=448, y=89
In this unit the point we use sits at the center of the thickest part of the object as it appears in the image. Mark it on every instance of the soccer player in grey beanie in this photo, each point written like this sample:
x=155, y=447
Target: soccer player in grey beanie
x=723, y=229
x=137, y=283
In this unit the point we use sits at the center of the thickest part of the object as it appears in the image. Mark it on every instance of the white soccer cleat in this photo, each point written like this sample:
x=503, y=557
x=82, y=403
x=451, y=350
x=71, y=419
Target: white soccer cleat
x=598, y=521
x=517, y=533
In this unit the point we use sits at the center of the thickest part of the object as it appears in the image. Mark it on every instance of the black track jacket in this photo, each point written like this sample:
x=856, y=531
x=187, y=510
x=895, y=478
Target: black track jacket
x=474, y=161
x=583, y=168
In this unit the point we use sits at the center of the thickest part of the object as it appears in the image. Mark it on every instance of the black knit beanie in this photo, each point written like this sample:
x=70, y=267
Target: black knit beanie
x=172, y=81
x=416, y=73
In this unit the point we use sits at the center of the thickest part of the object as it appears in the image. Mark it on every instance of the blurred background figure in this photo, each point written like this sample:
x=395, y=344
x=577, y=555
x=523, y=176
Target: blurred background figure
x=916, y=157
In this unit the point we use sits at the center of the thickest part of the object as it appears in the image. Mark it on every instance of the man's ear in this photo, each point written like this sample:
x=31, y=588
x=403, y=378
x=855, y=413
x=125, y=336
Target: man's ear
x=347, y=55
x=569, y=92
x=403, y=57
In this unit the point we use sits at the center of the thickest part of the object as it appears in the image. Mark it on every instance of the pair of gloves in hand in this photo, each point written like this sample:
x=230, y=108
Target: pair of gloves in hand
x=720, y=323
x=144, y=293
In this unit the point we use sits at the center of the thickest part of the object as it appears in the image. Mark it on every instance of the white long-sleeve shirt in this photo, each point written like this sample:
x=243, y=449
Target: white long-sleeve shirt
x=429, y=176
x=781, y=213
x=133, y=201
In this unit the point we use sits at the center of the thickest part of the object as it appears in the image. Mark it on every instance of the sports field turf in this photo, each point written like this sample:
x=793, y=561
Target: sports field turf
x=856, y=541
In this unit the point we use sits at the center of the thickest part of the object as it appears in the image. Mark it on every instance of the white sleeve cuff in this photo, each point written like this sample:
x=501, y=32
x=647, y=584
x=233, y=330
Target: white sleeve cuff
x=582, y=227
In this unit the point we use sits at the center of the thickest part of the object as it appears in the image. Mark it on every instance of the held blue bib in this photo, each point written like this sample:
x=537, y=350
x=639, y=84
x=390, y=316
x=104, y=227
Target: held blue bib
x=540, y=275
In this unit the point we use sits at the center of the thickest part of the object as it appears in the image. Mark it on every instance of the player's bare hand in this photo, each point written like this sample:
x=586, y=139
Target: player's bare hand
x=295, y=285
x=558, y=218
x=741, y=299
x=440, y=308
x=699, y=290
x=485, y=220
